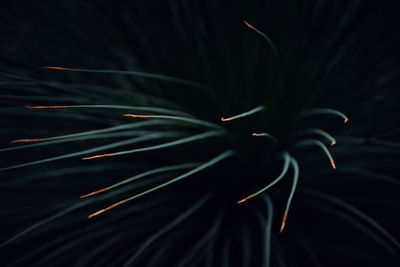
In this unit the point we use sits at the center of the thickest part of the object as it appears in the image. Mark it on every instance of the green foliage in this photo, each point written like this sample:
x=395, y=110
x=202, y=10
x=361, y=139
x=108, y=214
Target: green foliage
x=164, y=78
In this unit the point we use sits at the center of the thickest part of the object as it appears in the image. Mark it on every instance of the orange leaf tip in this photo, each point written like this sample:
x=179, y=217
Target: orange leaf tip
x=27, y=140
x=100, y=156
x=94, y=193
x=244, y=199
x=135, y=116
x=346, y=120
x=333, y=164
x=228, y=119
x=283, y=222
x=56, y=68
x=255, y=134
x=333, y=143
x=248, y=25
x=39, y=107
x=103, y=210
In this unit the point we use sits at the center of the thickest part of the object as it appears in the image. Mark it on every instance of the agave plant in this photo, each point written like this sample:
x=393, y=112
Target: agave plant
x=179, y=134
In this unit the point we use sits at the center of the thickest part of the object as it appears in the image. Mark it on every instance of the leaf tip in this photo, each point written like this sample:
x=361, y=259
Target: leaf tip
x=283, y=222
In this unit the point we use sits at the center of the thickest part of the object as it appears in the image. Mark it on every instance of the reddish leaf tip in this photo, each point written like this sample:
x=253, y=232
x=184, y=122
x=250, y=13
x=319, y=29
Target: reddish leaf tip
x=27, y=140
x=283, y=222
x=100, y=156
